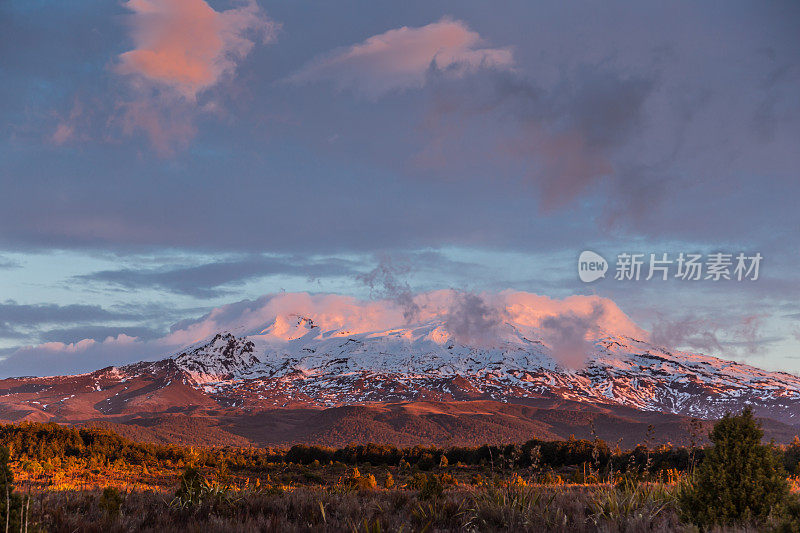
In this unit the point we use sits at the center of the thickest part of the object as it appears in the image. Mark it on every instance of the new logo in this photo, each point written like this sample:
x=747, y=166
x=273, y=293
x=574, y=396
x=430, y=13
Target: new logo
x=591, y=266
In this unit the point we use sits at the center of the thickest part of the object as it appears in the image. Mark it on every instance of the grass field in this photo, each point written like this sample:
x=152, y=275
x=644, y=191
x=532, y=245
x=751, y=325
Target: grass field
x=339, y=497
x=65, y=479
x=507, y=508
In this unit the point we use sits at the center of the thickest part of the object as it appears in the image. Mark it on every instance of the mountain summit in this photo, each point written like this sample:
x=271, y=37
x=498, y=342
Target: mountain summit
x=293, y=367
x=425, y=362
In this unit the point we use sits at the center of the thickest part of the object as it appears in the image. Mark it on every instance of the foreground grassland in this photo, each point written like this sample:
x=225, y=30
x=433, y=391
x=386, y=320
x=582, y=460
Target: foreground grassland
x=507, y=508
x=67, y=479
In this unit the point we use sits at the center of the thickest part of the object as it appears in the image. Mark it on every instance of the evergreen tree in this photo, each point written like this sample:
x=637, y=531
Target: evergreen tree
x=9, y=521
x=739, y=480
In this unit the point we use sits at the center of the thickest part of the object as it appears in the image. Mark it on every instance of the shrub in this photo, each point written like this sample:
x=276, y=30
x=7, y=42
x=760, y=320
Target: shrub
x=362, y=482
x=432, y=488
x=627, y=480
x=643, y=502
x=417, y=481
x=111, y=501
x=353, y=477
x=190, y=490
x=367, y=482
x=788, y=519
x=389, y=483
x=739, y=480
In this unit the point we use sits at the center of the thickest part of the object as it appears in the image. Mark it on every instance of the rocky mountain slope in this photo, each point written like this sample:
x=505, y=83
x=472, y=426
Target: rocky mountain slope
x=294, y=366
x=326, y=369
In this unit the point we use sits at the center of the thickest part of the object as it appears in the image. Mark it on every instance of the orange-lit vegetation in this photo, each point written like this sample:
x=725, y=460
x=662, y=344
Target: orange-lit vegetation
x=88, y=479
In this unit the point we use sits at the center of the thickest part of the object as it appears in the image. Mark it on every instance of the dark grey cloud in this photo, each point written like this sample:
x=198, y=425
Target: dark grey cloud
x=389, y=279
x=37, y=323
x=633, y=129
x=14, y=314
x=211, y=279
x=687, y=331
x=9, y=332
x=566, y=134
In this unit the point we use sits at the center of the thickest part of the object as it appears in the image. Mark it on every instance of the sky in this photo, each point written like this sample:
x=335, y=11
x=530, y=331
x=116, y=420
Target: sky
x=163, y=161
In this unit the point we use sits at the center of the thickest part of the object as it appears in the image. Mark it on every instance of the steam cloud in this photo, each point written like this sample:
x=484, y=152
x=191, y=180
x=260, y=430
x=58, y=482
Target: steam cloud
x=385, y=283
x=471, y=320
x=566, y=334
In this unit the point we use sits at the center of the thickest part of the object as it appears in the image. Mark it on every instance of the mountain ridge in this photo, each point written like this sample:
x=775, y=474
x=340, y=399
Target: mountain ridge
x=328, y=369
x=291, y=369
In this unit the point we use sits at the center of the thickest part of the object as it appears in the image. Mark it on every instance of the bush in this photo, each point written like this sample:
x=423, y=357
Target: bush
x=367, y=482
x=417, y=481
x=740, y=480
x=362, y=482
x=788, y=519
x=111, y=501
x=190, y=490
x=432, y=488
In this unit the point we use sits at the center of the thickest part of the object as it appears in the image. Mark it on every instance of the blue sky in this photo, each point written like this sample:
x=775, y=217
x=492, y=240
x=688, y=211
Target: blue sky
x=159, y=159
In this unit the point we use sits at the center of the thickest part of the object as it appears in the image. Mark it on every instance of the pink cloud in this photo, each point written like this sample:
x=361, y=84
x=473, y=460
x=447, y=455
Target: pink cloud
x=399, y=58
x=461, y=314
x=181, y=49
x=186, y=45
x=481, y=319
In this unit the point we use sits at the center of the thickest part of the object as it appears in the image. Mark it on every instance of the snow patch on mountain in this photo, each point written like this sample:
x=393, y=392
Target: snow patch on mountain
x=223, y=358
x=293, y=359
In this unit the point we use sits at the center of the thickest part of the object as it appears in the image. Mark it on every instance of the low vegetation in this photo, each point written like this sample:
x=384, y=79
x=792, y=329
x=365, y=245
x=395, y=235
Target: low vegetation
x=68, y=479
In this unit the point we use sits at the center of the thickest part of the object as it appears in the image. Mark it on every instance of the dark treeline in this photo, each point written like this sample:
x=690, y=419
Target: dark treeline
x=40, y=442
x=534, y=454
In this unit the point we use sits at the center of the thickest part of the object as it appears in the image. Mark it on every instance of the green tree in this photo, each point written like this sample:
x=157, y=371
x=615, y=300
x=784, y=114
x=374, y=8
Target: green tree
x=740, y=480
x=10, y=503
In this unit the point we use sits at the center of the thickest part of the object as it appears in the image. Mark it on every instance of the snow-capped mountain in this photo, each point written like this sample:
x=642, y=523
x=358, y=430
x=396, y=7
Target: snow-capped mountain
x=296, y=381
x=330, y=368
